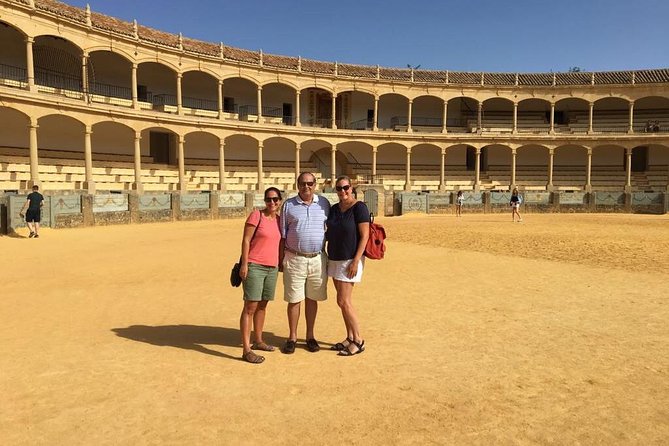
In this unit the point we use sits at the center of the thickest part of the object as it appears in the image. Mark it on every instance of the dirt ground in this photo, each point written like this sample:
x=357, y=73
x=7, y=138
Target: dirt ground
x=478, y=331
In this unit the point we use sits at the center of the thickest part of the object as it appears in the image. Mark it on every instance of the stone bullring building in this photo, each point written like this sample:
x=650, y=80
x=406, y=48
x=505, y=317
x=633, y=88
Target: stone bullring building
x=92, y=105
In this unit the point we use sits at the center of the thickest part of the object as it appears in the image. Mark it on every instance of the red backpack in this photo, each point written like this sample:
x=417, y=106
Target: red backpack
x=375, y=248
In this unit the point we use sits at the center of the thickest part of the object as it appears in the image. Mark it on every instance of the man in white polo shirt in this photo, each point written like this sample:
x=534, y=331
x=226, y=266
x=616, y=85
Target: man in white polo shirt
x=302, y=257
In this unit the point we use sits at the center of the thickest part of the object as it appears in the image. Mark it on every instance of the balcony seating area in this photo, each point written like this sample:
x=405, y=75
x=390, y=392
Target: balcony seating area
x=62, y=170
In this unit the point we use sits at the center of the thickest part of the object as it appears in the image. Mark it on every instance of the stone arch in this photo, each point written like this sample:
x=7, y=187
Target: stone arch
x=572, y=115
x=110, y=74
x=199, y=90
x=497, y=114
x=320, y=157
x=651, y=114
x=462, y=114
x=13, y=53
x=393, y=111
x=278, y=102
x=112, y=138
x=611, y=115
x=427, y=113
x=14, y=132
x=355, y=109
x=156, y=83
x=60, y=136
x=57, y=63
x=316, y=107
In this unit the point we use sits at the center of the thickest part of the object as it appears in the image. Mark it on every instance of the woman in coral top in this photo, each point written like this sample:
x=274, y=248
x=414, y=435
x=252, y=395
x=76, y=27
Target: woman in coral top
x=259, y=270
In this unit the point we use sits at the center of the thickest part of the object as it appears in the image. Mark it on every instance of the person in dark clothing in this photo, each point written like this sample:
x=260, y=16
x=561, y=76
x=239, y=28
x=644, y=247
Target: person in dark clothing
x=347, y=234
x=33, y=216
x=515, y=201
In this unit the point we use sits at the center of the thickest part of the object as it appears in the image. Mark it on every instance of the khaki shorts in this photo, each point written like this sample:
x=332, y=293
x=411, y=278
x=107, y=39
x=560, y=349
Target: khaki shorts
x=304, y=277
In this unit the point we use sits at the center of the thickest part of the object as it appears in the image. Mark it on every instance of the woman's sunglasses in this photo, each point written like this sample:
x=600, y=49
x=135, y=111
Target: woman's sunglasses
x=345, y=187
x=270, y=199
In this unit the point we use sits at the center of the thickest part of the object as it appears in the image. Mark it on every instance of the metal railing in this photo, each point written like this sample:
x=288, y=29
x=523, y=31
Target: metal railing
x=318, y=122
x=13, y=73
x=200, y=104
x=112, y=91
x=58, y=80
x=163, y=99
x=267, y=110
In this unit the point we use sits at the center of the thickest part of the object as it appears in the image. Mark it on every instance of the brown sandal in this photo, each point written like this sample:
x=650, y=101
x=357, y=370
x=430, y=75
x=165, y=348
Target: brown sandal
x=251, y=357
x=262, y=347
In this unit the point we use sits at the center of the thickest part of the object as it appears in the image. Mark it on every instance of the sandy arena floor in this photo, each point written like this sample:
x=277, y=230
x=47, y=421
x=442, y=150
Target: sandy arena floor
x=478, y=331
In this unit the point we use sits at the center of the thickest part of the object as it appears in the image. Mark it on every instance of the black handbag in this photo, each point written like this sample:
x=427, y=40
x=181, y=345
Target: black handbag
x=235, y=278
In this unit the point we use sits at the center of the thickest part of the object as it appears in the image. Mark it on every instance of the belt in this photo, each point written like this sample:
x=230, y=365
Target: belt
x=303, y=254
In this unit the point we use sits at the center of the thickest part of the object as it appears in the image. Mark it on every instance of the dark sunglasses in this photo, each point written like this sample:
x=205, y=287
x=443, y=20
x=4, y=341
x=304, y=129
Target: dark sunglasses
x=345, y=187
x=307, y=183
x=274, y=199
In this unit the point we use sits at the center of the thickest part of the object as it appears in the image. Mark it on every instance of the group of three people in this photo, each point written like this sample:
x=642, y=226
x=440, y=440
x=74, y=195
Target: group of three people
x=294, y=242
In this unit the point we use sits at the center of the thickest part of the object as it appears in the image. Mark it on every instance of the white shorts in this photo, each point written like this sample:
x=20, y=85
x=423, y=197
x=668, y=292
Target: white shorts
x=337, y=270
x=304, y=277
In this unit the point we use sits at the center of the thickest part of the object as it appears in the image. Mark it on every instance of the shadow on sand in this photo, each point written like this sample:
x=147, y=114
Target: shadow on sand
x=190, y=337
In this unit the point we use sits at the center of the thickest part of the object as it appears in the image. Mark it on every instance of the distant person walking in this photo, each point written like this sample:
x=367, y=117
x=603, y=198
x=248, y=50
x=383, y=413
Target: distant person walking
x=259, y=270
x=515, y=202
x=459, y=200
x=347, y=234
x=303, y=260
x=33, y=216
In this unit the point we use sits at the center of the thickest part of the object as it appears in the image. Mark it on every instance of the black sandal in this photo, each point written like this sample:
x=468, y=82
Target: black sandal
x=339, y=346
x=347, y=352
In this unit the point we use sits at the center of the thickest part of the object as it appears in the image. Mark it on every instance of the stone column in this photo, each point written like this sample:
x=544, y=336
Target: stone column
x=298, y=122
x=409, y=128
x=552, y=129
x=298, y=148
x=261, y=182
x=138, y=162
x=407, y=186
x=515, y=118
x=30, y=66
x=182, y=164
x=374, y=152
x=375, y=125
x=479, y=117
x=444, y=121
x=513, y=167
x=34, y=163
x=628, y=179
x=259, y=103
x=221, y=165
x=590, y=116
x=588, y=172
x=333, y=124
x=135, y=100
x=180, y=110
x=84, y=73
x=333, y=164
x=442, y=176
x=88, y=160
x=630, y=129
x=477, y=170
x=220, y=98
x=551, y=156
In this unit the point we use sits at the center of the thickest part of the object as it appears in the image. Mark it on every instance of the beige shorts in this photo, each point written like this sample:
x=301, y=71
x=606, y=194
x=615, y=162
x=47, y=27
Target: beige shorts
x=304, y=277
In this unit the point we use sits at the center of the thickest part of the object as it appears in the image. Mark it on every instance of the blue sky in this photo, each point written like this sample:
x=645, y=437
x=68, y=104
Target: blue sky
x=464, y=35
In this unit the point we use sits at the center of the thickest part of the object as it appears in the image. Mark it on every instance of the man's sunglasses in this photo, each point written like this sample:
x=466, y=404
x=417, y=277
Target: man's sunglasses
x=270, y=199
x=307, y=183
x=345, y=187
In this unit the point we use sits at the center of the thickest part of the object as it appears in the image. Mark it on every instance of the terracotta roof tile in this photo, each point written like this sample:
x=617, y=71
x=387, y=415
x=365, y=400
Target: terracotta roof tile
x=359, y=71
x=101, y=21
x=153, y=35
x=198, y=46
x=272, y=60
x=459, y=77
x=314, y=66
x=577, y=78
x=535, y=79
x=651, y=76
x=614, y=77
x=76, y=14
x=438, y=77
x=395, y=74
x=240, y=55
x=499, y=78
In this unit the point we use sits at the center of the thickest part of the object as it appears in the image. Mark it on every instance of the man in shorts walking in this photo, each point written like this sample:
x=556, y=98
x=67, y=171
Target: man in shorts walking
x=34, y=204
x=302, y=258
